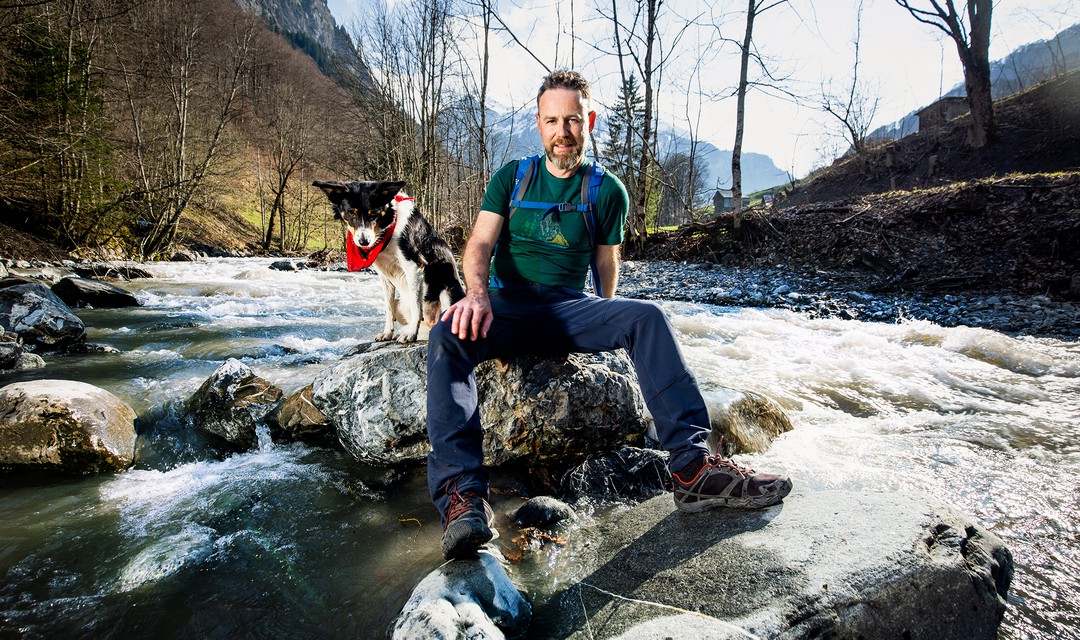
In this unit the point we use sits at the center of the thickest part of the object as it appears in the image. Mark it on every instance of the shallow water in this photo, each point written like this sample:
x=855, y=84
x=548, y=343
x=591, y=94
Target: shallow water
x=292, y=541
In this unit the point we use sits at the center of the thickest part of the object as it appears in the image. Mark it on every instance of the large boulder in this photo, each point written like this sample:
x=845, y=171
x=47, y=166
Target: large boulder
x=84, y=292
x=65, y=426
x=470, y=598
x=232, y=403
x=543, y=410
x=39, y=316
x=834, y=564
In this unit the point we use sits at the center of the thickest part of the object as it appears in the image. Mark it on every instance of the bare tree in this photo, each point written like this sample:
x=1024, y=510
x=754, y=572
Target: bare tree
x=754, y=8
x=853, y=108
x=181, y=74
x=972, y=38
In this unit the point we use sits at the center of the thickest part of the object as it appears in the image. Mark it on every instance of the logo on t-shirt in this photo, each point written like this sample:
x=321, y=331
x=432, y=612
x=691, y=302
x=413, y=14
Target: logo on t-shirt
x=543, y=228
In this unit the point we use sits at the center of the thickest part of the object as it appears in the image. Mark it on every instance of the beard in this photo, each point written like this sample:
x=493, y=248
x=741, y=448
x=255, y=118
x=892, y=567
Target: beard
x=570, y=160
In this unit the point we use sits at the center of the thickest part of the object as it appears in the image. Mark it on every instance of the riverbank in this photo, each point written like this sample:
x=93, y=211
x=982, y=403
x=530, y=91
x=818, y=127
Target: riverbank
x=838, y=295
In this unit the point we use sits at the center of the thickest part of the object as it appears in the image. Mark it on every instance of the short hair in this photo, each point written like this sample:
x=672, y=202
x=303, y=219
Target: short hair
x=564, y=79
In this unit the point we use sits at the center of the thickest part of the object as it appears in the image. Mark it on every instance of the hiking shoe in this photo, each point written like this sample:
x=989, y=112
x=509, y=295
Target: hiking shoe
x=469, y=525
x=713, y=481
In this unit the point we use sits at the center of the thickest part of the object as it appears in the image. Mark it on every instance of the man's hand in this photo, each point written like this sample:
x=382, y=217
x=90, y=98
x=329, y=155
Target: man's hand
x=470, y=318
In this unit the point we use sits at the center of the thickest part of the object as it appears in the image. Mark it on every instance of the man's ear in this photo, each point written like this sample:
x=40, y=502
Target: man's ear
x=333, y=189
x=592, y=120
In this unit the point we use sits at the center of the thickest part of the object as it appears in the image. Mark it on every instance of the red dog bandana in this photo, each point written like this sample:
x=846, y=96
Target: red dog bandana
x=357, y=258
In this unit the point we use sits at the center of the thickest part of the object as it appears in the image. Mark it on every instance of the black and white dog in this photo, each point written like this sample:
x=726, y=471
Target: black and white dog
x=386, y=232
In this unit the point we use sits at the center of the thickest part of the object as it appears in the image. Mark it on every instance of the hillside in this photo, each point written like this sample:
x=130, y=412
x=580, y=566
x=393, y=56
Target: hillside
x=926, y=212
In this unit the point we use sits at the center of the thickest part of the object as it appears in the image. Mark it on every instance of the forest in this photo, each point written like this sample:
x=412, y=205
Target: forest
x=123, y=119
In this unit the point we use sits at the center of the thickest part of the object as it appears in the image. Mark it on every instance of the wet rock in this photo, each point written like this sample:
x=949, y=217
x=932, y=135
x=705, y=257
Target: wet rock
x=837, y=564
x=84, y=292
x=744, y=421
x=298, y=419
x=13, y=357
x=542, y=512
x=470, y=598
x=628, y=474
x=534, y=409
x=287, y=265
x=232, y=403
x=111, y=270
x=183, y=254
x=39, y=317
x=65, y=426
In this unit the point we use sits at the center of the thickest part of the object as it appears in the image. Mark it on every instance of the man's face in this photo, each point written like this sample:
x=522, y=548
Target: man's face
x=563, y=120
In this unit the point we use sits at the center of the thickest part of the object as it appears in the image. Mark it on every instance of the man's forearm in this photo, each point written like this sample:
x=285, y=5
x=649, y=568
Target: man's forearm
x=476, y=266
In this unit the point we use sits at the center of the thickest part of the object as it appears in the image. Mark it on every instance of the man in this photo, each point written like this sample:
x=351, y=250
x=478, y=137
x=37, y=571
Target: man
x=540, y=260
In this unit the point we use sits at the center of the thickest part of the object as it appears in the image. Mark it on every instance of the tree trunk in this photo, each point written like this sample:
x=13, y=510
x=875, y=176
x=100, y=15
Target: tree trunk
x=976, y=61
x=740, y=117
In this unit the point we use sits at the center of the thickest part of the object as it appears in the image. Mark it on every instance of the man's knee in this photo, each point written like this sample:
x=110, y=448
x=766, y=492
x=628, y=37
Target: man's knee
x=647, y=313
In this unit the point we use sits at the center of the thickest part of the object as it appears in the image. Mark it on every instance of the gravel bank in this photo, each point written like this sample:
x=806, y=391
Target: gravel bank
x=836, y=295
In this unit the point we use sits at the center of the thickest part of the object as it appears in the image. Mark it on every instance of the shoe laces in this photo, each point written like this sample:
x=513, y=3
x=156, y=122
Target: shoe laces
x=459, y=504
x=719, y=462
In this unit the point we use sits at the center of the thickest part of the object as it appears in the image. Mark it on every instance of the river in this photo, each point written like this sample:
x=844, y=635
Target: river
x=303, y=542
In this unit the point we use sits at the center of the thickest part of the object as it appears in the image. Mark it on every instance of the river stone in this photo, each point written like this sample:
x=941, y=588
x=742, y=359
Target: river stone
x=13, y=356
x=231, y=403
x=297, y=419
x=627, y=474
x=84, y=292
x=65, y=426
x=468, y=598
x=39, y=316
x=833, y=564
x=542, y=512
x=744, y=421
x=534, y=409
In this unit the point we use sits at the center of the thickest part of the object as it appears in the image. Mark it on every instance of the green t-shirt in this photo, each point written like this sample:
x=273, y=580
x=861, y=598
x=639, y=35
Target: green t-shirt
x=554, y=249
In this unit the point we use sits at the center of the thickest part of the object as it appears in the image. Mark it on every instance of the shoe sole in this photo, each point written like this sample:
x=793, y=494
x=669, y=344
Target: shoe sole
x=467, y=545
x=753, y=502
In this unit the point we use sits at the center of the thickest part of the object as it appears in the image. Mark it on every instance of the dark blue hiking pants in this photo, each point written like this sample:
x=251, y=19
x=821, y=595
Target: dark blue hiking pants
x=547, y=321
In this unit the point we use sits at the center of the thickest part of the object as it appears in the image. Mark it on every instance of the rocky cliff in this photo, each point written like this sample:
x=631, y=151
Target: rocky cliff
x=310, y=27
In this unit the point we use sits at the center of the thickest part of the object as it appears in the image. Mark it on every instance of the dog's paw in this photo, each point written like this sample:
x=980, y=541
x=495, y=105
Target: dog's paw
x=406, y=338
x=385, y=336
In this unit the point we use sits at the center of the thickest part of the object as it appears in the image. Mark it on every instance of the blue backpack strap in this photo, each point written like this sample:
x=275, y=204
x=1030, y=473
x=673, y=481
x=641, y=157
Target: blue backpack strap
x=526, y=168
x=590, y=193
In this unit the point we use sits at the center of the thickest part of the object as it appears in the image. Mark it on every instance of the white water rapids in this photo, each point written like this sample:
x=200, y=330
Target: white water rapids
x=292, y=541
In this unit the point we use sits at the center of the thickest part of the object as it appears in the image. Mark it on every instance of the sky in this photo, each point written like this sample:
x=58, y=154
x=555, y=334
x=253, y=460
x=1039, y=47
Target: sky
x=906, y=63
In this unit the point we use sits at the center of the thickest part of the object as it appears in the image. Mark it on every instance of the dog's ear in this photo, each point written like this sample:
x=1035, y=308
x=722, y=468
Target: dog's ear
x=333, y=189
x=384, y=192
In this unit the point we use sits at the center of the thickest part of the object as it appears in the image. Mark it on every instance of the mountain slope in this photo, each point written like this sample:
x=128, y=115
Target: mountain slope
x=310, y=27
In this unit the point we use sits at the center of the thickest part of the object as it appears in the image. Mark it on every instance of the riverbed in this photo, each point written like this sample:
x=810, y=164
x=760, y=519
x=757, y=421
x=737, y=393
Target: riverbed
x=303, y=542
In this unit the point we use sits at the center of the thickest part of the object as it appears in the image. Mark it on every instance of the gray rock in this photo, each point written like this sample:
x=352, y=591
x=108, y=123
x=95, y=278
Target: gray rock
x=231, y=403
x=283, y=265
x=536, y=409
x=39, y=316
x=628, y=474
x=65, y=426
x=111, y=270
x=835, y=564
x=542, y=512
x=84, y=292
x=472, y=598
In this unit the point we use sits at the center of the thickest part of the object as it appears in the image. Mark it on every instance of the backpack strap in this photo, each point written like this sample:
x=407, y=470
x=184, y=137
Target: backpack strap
x=590, y=193
x=526, y=167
